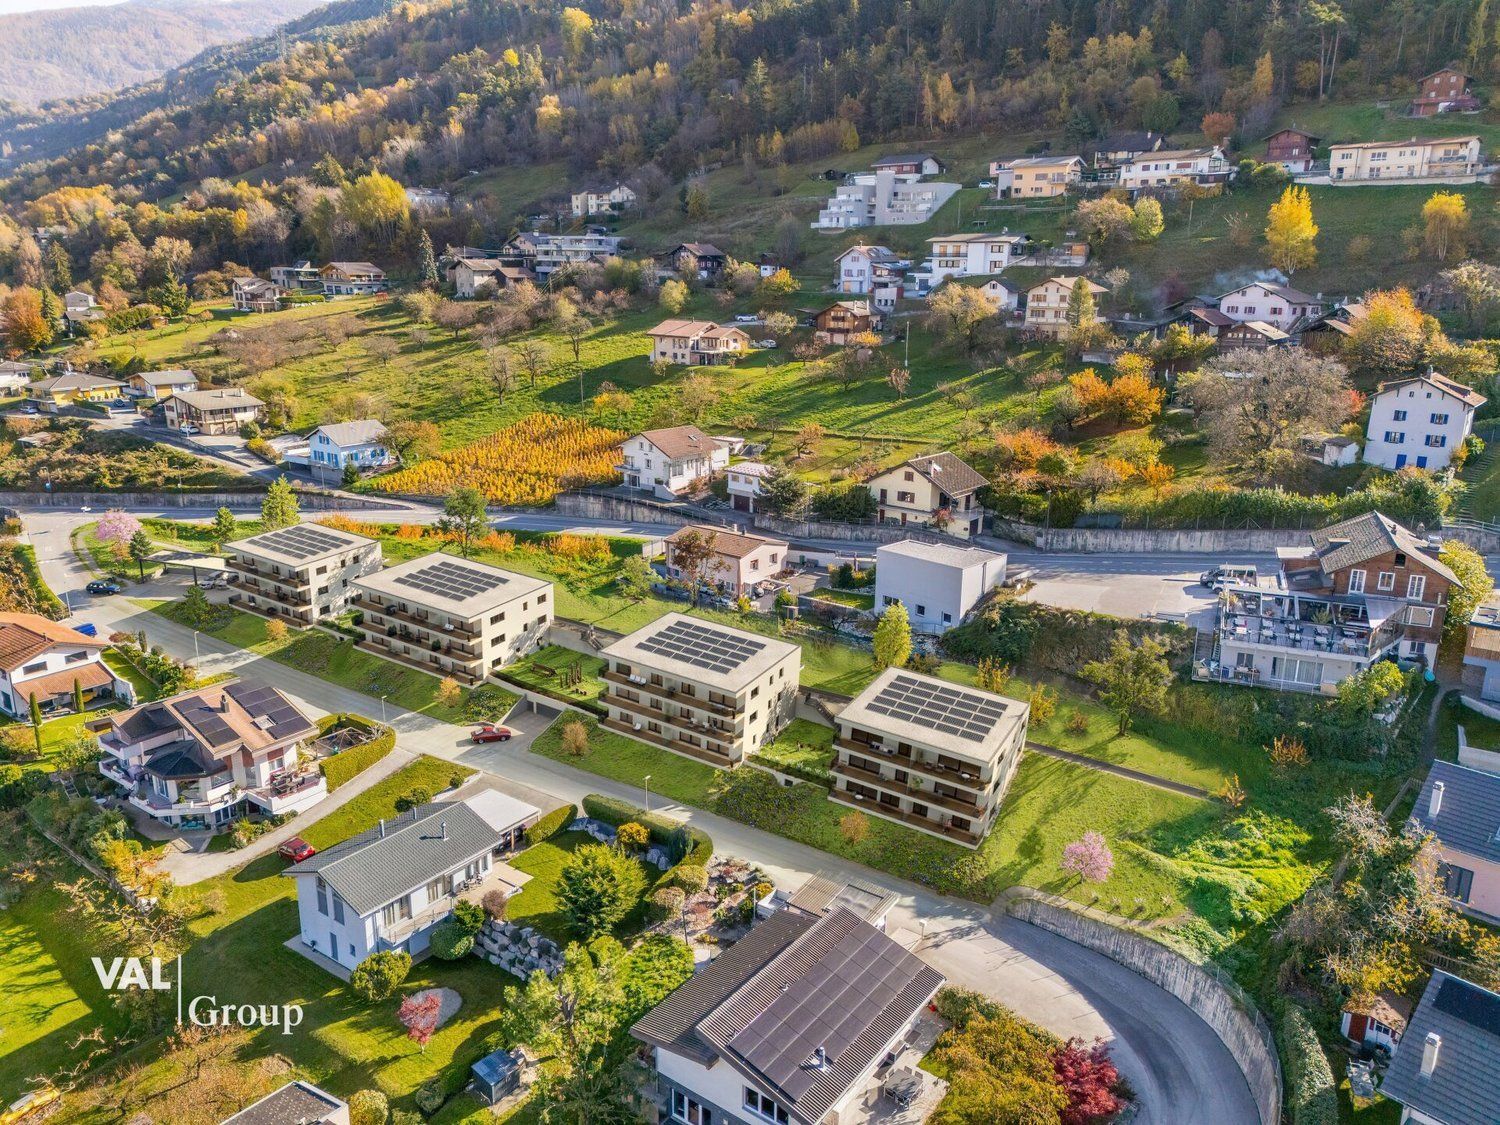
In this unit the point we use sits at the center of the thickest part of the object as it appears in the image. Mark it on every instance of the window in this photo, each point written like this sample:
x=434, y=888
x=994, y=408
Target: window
x=322, y=896
x=1398, y=415
x=338, y=908
x=39, y=666
x=1456, y=881
x=1356, y=582
x=1416, y=586
x=758, y=1103
x=75, y=657
x=1421, y=616
x=1387, y=581
x=397, y=911
x=1440, y=419
x=1436, y=441
x=687, y=1109
x=1394, y=437
x=921, y=611
x=437, y=889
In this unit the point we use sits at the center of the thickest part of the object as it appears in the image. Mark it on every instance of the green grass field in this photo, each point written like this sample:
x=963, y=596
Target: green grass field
x=544, y=669
x=537, y=904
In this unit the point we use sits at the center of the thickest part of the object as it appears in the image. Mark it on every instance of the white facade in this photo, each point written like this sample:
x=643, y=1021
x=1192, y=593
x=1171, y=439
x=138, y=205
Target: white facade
x=881, y=199
x=873, y=271
x=1169, y=169
x=1047, y=304
x=279, y=577
x=602, y=202
x=967, y=255
x=1419, y=422
x=937, y=584
x=672, y=471
x=1269, y=303
x=746, y=481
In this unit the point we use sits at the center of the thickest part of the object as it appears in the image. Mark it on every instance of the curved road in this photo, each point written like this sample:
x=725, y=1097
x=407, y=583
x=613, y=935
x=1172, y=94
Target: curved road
x=1179, y=1068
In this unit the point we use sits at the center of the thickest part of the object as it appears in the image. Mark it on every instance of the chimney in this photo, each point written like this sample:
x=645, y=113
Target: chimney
x=1430, y=1048
x=443, y=824
x=1435, y=802
x=382, y=828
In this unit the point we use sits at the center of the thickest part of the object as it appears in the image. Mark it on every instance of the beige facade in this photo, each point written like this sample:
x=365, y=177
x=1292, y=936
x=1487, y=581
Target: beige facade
x=698, y=343
x=740, y=561
x=1047, y=304
x=938, y=490
x=1036, y=177
x=300, y=573
x=1416, y=158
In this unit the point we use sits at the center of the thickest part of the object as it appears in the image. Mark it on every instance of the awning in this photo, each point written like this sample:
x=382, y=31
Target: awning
x=88, y=676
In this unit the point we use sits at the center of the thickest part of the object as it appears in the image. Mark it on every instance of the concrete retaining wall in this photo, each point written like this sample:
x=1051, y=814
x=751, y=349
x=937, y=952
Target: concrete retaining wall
x=867, y=532
x=1103, y=540
x=1218, y=1003
x=589, y=505
x=102, y=501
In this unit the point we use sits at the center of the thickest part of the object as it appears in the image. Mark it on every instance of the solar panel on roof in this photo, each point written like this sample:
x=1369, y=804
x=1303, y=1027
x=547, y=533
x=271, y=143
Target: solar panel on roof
x=208, y=723
x=714, y=649
x=451, y=580
x=299, y=542
x=1472, y=1004
x=951, y=710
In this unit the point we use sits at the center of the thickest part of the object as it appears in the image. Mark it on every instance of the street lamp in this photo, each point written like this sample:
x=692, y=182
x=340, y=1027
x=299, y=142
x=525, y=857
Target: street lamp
x=382, y=710
x=646, y=783
x=197, y=660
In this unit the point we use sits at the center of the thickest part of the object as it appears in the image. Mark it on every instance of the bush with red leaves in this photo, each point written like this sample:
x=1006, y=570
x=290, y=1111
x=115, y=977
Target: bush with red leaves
x=1089, y=1079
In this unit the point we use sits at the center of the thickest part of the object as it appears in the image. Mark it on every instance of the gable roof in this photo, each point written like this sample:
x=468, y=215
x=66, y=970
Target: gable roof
x=25, y=636
x=1369, y=536
x=948, y=472
x=1291, y=129
x=1128, y=142
x=1464, y=1086
x=1454, y=67
x=296, y=1103
x=1468, y=817
x=71, y=381
x=700, y=249
x=858, y=308
x=1038, y=162
x=1173, y=154
x=360, y=431
x=355, y=267
x=1260, y=328
x=695, y=329
x=736, y=545
x=172, y=378
x=874, y=253
x=904, y=158
x=1467, y=395
x=1285, y=292
x=1067, y=283
x=679, y=442
x=1409, y=141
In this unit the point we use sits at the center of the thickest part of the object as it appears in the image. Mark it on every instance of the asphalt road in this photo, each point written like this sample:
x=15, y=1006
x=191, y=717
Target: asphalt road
x=1178, y=1067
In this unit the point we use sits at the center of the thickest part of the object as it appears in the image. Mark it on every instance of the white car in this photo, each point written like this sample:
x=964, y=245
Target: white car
x=985, y=183
x=747, y=318
x=765, y=343
x=187, y=428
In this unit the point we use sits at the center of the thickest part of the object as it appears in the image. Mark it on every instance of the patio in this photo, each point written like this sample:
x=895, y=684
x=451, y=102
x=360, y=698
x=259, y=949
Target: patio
x=901, y=1093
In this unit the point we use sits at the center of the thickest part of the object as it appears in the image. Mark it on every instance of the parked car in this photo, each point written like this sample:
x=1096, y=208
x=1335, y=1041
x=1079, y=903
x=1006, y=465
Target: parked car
x=1227, y=575
x=985, y=183
x=187, y=428
x=490, y=732
x=747, y=318
x=296, y=850
x=100, y=586
x=765, y=343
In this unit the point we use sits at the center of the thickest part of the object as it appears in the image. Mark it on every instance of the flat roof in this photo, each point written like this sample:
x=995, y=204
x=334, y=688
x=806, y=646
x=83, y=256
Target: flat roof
x=939, y=554
x=452, y=584
x=702, y=651
x=301, y=544
x=820, y=895
x=937, y=713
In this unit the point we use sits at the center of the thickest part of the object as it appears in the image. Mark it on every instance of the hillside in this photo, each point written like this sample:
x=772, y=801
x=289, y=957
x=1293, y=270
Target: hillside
x=75, y=52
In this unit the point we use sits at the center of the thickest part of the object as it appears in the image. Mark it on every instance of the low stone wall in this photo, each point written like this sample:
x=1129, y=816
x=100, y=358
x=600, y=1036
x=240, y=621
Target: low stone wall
x=592, y=505
x=866, y=532
x=102, y=501
x=1219, y=1003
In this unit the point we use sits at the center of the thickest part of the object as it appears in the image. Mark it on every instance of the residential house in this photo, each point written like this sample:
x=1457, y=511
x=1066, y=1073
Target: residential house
x=1292, y=148
x=1036, y=177
x=484, y=277
x=545, y=253
x=883, y=198
x=929, y=754
x=1326, y=334
x=602, y=200
x=877, y=272
x=389, y=887
x=1278, y=305
x=161, y=385
x=358, y=443
x=1334, y=450
x=41, y=658
x=1416, y=158
x=203, y=758
x=451, y=616
x=1205, y=320
x=219, y=410
x=1169, y=169
x=935, y=490
x=740, y=561
x=357, y=279
x=428, y=201
x=303, y=275
x=866, y=900
x=840, y=322
x=673, y=462
x=1482, y=651
x=1047, y=304
x=697, y=343
x=746, y=481
x=768, y=263
x=15, y=375
x=1460, y=806
x=71, y=387
x=303, y=573
x=1376, y=1021
x=1420, y=420
x=910, y=164
x=790, y=1026
x=1361, y=591
x=80, y=307
x=968, y=255
x=1111, y=151
x=700, y=689
x=1446, y=1069
x=297, y=1102
x=1443, y=91
x=937, y=584
x=251, y=294
x=1252, y=335
x=701, y=260
x=1005, y=296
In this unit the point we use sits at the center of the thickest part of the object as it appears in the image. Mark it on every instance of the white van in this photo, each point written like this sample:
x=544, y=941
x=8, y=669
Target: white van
x=1227, y=574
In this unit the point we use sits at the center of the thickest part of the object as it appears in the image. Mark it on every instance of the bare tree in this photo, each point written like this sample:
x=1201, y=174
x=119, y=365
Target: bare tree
x=533, y=357
x=1251, y=402
x=501, y=365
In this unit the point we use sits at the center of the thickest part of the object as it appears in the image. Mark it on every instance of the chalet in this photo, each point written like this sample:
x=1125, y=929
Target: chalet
x=1036, y=177
x=1251, y=334
x=478, y=277
x=251, y=294
x=701, y=260
x=344, y=279
x=697, y=343
x=877, y=272
x=1047, y=304
x=1416, y=158
x=303, y=275
x=910, y=164
x=1420, y=421
x=1205, y=320
x=768, y=263
x=671, y=462
x=602, y=200
x=935, y=490
x=222, y=410
x=1173, y=168
x=43, y=659
x=1326, y=334
x=1443, y=91
x=1292, y=149
x=842, y=321
x=1278, y=305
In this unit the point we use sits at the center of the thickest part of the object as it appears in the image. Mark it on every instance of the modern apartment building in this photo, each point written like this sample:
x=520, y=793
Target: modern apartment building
x=699, y=689
x=301, y=573
x=451, y=616
x=883, y=198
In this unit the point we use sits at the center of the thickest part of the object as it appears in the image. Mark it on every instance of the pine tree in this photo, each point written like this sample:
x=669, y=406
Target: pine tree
x=36, y=722
x=279, y=508
x=891, y=644
x=1080, y=304
x=223, y=527
x=429, y=262
x=140, y=548
x=77, y=697
x=60, y=265
x=52, y=306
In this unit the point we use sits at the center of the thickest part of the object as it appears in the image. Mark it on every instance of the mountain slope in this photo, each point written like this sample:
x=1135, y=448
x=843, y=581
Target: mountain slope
x=81, y=51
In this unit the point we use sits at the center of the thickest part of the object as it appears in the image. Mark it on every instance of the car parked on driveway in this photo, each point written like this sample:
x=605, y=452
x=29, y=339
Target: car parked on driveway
x=100, y=586
x=296, y=850
x=491, y=732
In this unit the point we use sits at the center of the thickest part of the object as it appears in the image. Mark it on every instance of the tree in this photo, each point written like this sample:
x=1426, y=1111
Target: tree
x=379, y=975
x=855, y=827
x=276, y=630
x=1104, y=221
x=279, y=507
x=224, y=527
x=412, y=441
x=1089, y=858
x=1089, y=1079
x=501, y=365
x=419, y=1015
x=1475, y=288
x=635, y=578
x=673, y=296
x=777, y=324
x=1474, y=586
x=59, y=266
x=1291, y=234
x=695, y=554
x=958, y=314
x=350, y=475
x=1133, y=679
x=778, y=287
x=196, y=609
x=782, y=492
x=465, y=517
x=171, y=296
x=377, y=205
x=597, y=888
x=448, y=692
x=141, y=548
x=26, y=328
x=891, y=644
x=427, y=261
x=117, y=528
x=1146, y=220
x=369, y=1107
x=1393, y=335
x=577, y=26
x=898, y=379
x=1445, y=224
x=1253, y=401
x=1217, y=127
x=36, y=722
x=696, y=201
x=1081, y=309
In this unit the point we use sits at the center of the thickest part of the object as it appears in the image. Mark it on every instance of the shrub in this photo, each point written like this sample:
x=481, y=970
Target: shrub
x=575, y=738
x=550, y=825
x=1312, y=1098
x=452, y=941
x=413, y=798
x=347, y=764
x=1078, y=723
x=667, y=903
x=691, y=879
x=369, y=1107
x=469, y=916
x=633, y=836
x=494, y=904
x=598, y=887
x=431, y=1095
x=379, y=975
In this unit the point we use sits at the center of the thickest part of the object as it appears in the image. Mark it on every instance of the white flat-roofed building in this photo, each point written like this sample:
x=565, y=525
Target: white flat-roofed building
x=937, y=584
x=929, y=754
x=302, y=573
x=452, y=616
x=700, y=689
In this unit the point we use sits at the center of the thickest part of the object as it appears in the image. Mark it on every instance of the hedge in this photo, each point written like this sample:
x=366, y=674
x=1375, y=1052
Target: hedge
x=551, y=824
x=1311, y=1096
x=685, y=845
x=347, y=764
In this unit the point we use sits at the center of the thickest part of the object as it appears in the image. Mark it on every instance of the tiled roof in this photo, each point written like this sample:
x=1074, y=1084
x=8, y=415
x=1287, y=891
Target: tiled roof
x=733, y=544
x=1464, y=1086
x=220, y=398
x=25, y=636
x=361, y=431
x=88, y=675
x=1468, y=817
x=1468, y=395
x=71, y=381
x=1365, y=537
x=679, y=442
x=296, y=1103
x=949, y=473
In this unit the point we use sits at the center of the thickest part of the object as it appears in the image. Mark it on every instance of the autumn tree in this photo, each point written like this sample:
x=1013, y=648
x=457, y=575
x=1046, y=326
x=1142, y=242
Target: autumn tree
x=1474, y=586
x=1445, y=225
x=1217, y=127
x=1104, y=221
x=412, y=441
x=26, y=329
x=1146, y=220
x=1265, y=400
x=377, y=205
x=1134, y=677
x=1291, y=234
x=958, y=313
x=891, y=644
x=673, y=296
x=1392, y=337
x=1475, y=288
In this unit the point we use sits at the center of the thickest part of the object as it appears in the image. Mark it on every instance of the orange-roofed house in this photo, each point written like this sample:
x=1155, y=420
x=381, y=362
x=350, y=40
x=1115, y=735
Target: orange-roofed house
x=42, y=658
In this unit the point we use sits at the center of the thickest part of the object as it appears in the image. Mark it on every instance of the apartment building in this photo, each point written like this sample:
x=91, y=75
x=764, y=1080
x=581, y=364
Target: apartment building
x=301, y=573
x=702, y=690
x=1420, y=421
x=544, y=253
x=201, y=759
x=1271, y=303
x=883, y=198
x=968, y=255
x=1363, y=590
x=352, y=279
x=1175, y=167
x=1036, y=177
x=929, y=754
x=1416, y=158
x=451, y=616
x=221, y=410
x=936, y=490
x=1047, y=304
x=602, y=200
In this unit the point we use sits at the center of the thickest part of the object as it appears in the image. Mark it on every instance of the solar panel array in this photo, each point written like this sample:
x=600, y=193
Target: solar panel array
x=450, y=580
x=953, y=711
x=299, y=542
x=702, y=647
x=208, y=722
x=1469, y=1003
x=261, y=701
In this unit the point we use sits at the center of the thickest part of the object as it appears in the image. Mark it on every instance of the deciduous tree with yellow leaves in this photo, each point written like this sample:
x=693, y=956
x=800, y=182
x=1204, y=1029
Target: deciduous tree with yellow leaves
x=1291, y=234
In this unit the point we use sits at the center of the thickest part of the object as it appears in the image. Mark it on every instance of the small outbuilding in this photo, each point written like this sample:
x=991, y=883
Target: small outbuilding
x=497, y=1076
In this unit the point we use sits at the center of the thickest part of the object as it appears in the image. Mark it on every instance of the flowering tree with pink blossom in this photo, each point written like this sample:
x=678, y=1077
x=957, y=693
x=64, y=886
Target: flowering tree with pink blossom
x=419, y=1014
x=117, y=528
x=1089, y=858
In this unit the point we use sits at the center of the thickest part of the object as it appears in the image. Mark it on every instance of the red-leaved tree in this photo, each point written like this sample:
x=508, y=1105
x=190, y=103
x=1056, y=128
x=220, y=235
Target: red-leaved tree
x=1089, y=1079
x=419, y=1015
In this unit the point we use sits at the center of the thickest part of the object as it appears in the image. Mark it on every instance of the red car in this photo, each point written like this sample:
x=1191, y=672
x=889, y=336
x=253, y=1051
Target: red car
x=490, y=732
x=296, y=850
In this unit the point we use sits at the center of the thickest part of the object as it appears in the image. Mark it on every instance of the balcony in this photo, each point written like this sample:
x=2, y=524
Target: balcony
x=938, y=828
x=1295, y=635
x=916, y=792
x=720, y=758
x=441, y=626
x=381, y=647
x=198, y=803
x=289, y=790
x=967, y=779
x=264, y=570
x=299, y=615
x=669, y=692
x=678, y=719
x=271, y=593
x=120, y=773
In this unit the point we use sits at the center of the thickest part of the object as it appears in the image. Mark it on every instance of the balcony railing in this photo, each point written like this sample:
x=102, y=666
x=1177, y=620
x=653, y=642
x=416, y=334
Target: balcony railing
x=441, y=626
x=678, y=719
x=265, y=590
x=675, y=694
x=722, y=758
x=915, y=792
x=380, y=646
x=967, y=779
x=875, y=808
x=250, y=566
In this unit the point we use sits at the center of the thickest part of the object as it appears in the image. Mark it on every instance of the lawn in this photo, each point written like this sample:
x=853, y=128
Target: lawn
x=804, y=748
x=536, y=904
x=857, y=599
x=544, y=670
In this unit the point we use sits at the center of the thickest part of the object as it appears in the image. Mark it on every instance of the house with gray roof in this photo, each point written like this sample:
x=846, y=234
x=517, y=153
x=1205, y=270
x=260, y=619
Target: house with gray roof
x=1446, y=1069
x=791, y=1026
x=296, y=1103
x=358, y=443
x=1460, y=806
x=389, y=887
x=937, y=490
